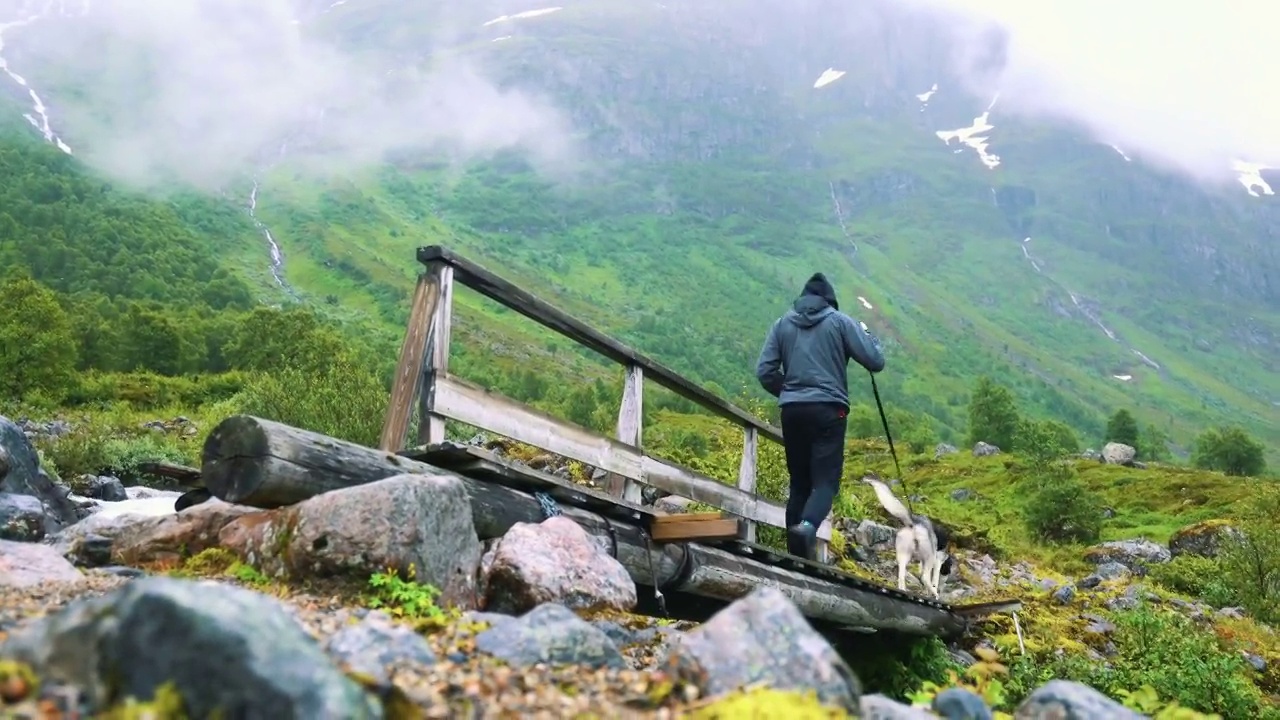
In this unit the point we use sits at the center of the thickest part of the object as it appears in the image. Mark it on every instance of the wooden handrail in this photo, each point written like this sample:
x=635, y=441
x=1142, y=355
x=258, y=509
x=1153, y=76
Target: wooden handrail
x=504, y=292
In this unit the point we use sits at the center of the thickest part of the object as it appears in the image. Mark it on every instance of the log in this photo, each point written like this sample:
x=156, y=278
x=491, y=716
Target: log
x=265, y=464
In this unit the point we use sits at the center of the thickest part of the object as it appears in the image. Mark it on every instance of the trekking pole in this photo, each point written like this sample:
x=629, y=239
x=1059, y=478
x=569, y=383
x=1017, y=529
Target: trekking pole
x=875, y=390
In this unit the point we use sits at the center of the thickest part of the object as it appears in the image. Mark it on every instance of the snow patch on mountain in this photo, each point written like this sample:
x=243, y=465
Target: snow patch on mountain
x=975, y=137
x=522, y=15
x=827, y=77
x=924, y=96
x=1126, y=157
x=864, y=302
x=1250, y=176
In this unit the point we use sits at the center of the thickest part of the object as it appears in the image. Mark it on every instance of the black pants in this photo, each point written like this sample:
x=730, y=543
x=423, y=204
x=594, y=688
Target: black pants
x=813, y=437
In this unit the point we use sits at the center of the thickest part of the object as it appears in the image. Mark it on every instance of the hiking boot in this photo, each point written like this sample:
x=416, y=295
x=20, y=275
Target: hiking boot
x=802, y=540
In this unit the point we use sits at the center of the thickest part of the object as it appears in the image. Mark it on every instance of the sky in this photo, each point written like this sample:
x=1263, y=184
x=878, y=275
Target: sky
x=1188, y=84
x=229, y=83
x=1181, y=84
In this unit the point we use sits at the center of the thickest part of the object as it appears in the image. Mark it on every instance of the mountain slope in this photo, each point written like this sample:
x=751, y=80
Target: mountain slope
x=716, y=156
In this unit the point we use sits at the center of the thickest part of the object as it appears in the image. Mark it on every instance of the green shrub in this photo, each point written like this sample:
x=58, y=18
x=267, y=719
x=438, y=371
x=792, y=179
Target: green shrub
x=103, y=452
x=1250, y=562
x=343, y=400
x=1062, y=509
x=149, y=391
x=1197, y=577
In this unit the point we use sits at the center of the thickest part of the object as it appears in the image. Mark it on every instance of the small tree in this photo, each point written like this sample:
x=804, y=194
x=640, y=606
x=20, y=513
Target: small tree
x=1250, y=560
x=38, y=350
x=1230, y=450
x=1154, y=443
x=993, y=414
x=1062, y=508
x=1122, y=428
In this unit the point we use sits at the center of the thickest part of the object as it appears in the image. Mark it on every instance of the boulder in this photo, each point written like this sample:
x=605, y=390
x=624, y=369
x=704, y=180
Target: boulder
x=24, y=477
x=943, y=449
x=415, y=525
x=554, y=561
x=1118, y=454
x=550, y=634
x=983, y=449
x=1202, y=539
x=763, y=638
x=1065, y=700
x=31, y=564
x=375, y=643
x=22, y=517
x=226, y=649
x=1133, y=554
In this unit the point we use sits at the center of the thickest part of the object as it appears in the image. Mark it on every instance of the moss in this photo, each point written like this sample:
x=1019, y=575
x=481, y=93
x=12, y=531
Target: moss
x=166, y=705
x=213, y=561
x=765, y=703
x=17, y=681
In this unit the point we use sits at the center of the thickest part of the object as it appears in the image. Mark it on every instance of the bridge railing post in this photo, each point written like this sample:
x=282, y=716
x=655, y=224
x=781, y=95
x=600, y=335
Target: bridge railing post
x=630, y=430
x=747, y=476
x=431, y=425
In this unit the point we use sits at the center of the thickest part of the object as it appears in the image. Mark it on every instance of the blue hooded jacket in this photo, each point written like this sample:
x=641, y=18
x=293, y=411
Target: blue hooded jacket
x=807, y=351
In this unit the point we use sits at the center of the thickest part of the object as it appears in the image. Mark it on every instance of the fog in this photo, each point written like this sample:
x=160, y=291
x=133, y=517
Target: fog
x=1185, y=85
x=197, y=92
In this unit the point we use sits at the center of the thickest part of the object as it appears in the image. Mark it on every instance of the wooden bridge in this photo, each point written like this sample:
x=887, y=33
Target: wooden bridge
x=713, y=557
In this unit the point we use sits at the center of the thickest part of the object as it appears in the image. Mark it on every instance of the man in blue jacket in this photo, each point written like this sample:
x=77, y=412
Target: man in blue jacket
x=803, y=364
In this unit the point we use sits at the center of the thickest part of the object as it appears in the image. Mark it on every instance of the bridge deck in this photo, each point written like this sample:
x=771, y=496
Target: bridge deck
x=864, y=604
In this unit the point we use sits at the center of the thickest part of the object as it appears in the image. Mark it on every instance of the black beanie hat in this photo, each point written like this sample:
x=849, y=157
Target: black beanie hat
x=818, y=285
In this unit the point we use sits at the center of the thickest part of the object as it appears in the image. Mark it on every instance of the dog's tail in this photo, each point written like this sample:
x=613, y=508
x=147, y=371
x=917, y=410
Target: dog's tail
x=890, y=502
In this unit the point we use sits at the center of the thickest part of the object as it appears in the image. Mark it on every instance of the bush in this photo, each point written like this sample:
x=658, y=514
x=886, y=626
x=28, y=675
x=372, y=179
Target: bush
x=343, y=400
x=149, y=391
x=1197, y=577
x=1250, y=562
x=100, y=452
x=1062, y=509
x=1230, y=450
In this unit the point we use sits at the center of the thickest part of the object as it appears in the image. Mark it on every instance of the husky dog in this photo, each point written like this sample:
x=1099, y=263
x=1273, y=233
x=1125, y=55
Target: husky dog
x=918, y=538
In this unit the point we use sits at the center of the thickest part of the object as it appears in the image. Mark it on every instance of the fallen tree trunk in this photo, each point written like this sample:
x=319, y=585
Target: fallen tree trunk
x=257, y=462
x=265, y=464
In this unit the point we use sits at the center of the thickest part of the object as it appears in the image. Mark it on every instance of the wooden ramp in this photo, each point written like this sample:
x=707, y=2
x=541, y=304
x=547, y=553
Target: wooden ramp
x=726, y=568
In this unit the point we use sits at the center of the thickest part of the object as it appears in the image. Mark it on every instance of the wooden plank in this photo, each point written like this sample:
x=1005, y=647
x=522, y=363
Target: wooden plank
x=747, y=476
x=504, y=292
x=673, y=528
x=407, y=384
x=699, y=488
x=630, y=430
x=468, y=403
x=187, y=476
x=430, y=425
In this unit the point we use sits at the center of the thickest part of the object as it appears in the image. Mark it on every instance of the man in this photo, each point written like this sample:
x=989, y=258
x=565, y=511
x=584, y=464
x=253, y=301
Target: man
x=803, y=364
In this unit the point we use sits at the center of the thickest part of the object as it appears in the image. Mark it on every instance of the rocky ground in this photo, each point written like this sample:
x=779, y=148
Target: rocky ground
x=269, y=614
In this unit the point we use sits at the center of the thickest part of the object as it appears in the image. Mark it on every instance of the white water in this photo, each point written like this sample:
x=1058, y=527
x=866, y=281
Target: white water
x=277, y=259
x=39, y=115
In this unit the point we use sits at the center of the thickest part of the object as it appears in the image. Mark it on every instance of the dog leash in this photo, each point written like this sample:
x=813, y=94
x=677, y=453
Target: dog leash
x=875, y=390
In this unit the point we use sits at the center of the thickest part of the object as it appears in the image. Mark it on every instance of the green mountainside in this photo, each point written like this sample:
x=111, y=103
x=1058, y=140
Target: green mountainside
x=709, y=178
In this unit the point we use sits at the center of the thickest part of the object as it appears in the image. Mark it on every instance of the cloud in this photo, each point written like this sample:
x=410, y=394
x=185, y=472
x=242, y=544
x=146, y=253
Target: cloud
x=1184, y=84
x=200, y=90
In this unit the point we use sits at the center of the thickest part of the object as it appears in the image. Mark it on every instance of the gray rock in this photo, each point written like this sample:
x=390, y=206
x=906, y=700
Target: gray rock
x=879, y=707
x=105, y=488
x=1257, y=662
x=1064, y=595
x=962, y=494
x=30, y=564
x=763, y=638
x=1065, y=700
x=1132, y=554
x=1118, y=454
x=960, y=704
x=22, y=517
x=418, y=523
x=24, y=477
x=224, y=648
x=983, y=449
x=1204, y=539
x=550, y=634
x=554, y=561
x=943, y=449
x=873, y=534
x=375, y=643
x=4, y=462
x=673, y=504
